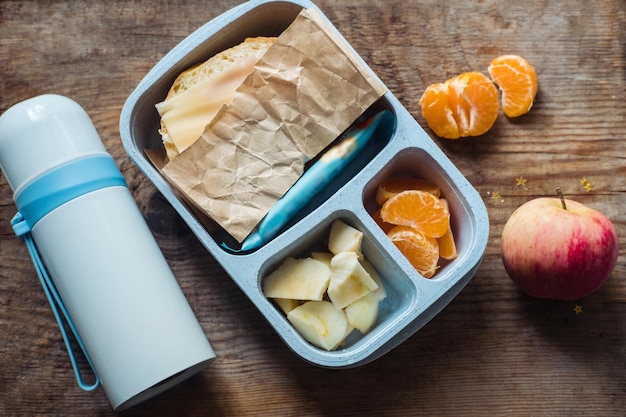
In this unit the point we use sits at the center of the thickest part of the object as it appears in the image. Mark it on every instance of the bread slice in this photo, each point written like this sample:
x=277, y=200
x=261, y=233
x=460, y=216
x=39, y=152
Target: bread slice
x=216, y=66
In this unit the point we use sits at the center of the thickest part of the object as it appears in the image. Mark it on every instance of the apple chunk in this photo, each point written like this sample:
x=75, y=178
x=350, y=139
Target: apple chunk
x=322, y=256
x=298, y=279
x=349, y=281
x=344, y=238
x=321, y=323
x=362, y=313
x=286, y=304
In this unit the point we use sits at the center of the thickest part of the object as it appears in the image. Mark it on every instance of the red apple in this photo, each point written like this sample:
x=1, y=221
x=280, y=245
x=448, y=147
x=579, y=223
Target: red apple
x=558, y=249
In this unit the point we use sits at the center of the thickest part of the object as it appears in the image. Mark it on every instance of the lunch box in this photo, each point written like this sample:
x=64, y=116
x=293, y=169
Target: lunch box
x=401, y=148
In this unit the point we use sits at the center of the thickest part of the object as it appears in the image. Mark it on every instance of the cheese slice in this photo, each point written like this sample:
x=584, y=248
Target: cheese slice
x=185, y=115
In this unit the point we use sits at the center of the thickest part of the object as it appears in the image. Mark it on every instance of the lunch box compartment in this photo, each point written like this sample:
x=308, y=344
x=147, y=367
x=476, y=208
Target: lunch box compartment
x=403, y=149
x=401, y=291
x=416, y=163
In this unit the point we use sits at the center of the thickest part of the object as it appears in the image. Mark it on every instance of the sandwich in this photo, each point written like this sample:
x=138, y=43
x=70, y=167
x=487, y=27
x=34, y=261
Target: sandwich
x=198, y=94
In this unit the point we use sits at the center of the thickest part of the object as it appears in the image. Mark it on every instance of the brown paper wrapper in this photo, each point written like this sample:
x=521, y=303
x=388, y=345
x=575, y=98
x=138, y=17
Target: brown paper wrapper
x=305, y=91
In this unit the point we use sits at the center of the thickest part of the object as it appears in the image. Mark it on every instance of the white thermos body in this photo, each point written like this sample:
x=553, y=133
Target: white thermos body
x=138, y=330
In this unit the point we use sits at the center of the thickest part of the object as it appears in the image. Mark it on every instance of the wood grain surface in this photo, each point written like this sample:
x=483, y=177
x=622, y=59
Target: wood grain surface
x=492, y=351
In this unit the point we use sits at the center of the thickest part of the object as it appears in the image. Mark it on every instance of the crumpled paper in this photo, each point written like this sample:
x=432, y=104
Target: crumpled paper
x=305, y=91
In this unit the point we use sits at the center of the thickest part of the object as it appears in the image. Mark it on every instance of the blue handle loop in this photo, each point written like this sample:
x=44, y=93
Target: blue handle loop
x=22, y=230
x=45, y=194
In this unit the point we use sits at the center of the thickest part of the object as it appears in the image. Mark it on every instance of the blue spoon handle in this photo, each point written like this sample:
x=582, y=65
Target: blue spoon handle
x=318, y=176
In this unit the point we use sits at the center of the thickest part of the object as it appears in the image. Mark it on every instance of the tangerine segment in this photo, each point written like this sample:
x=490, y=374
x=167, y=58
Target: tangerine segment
x=465, y=105
x=421, y=251
x=395, y=185
x=517, y=80
x=437, y=111
x=418, y=209
x=447, y=246
x=474, y=101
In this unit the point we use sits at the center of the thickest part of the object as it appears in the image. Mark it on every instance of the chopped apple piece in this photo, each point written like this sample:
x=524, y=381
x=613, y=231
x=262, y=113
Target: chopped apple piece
x=298, y=279
x=322, y=256
x=344, y=238
x=321, y=323
x=362, y=313
x=380, y=291
x=349, y=281
x=286, y=304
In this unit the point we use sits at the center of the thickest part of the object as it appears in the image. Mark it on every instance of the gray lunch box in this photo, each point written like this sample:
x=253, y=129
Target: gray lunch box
x=404, y=150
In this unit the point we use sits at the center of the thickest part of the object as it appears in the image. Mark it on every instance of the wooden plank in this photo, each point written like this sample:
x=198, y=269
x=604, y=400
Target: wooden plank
x=491, y=351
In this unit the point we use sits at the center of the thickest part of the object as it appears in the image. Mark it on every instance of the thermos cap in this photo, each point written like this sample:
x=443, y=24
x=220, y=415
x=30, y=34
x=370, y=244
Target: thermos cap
x=41, y=133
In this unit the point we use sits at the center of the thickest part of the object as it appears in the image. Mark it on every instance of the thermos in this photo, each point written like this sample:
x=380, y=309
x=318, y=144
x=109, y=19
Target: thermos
x=100, y=266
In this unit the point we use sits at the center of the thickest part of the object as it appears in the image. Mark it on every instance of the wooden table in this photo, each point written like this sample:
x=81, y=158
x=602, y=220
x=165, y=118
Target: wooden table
x=492, y=351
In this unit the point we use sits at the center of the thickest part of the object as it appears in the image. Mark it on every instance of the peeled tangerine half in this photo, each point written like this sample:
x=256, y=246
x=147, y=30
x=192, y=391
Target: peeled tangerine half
x=517, y=81
x=418, y=209
x=465, y=105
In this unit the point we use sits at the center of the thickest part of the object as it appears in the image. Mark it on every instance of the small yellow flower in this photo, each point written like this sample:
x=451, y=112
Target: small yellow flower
x=578, y=309
x=586, y=184
x=495, y=195
x=521, y=181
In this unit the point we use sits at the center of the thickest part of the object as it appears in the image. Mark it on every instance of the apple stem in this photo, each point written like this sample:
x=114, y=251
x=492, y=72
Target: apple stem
x=560, y=193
